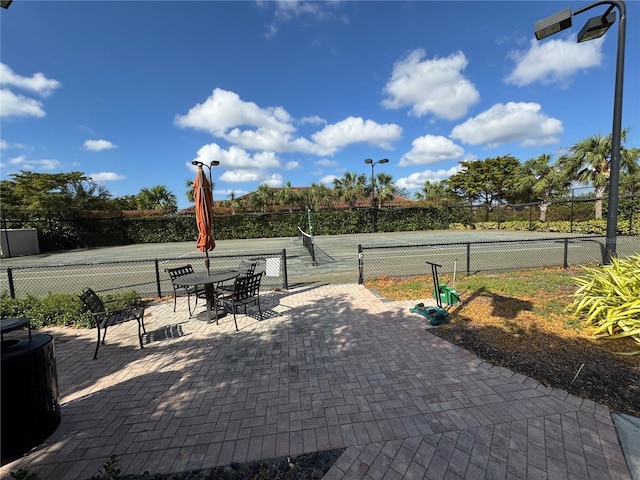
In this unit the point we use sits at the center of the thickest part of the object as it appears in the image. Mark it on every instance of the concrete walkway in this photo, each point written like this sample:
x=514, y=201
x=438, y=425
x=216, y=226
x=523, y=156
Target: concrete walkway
x=329, y=366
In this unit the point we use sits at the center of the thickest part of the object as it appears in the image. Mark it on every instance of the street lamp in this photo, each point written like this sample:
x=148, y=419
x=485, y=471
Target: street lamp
x=595, y=28
x=214, y=163
x=368, y=161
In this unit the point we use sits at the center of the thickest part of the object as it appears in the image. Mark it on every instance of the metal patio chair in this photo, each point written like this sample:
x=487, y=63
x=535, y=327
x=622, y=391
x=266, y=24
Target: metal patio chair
x=246, y=290
x=196, y=290
x=244, y=268
x=104, y=317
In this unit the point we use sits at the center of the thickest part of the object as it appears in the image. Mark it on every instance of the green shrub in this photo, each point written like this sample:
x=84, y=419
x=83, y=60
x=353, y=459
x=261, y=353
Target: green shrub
x=58, y=309
x=609, y=298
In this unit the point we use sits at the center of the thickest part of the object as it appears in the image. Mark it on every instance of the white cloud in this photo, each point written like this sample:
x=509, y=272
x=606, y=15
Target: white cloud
x=286, y=10
x=315, y=119
x=354, y=130
x=325, y=162
x=227, y=192
x=328, y=180
x=236, y=158
x=106, y=176
x=510, y=123
x=223, y=113
x=12, y=105
x=3, y=144
x=290, y=9
x=97, y=145
x=248, y=126
x=38, y=83
x=274, y=180
x=417, y=180
x=240, y=175
x=292, y=165
x=236, y=165
x=430, y=149
x=24, y=163
x=434, y=86
x=554, y=61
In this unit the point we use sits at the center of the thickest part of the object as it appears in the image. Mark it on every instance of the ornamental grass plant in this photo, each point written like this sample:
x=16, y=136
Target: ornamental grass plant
x=608, y=298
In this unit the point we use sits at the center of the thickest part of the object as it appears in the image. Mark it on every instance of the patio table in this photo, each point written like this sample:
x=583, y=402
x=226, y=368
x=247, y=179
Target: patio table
x=209, y=281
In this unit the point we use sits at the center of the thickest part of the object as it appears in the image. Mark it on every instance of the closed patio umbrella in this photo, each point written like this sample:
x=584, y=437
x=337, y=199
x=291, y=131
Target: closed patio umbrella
x=204, y=214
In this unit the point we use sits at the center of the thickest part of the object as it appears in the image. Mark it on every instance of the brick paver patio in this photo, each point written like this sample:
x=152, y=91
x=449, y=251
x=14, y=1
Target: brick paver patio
x=329, y=366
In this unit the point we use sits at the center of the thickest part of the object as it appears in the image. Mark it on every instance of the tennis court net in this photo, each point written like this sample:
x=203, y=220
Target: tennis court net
x=307, y=241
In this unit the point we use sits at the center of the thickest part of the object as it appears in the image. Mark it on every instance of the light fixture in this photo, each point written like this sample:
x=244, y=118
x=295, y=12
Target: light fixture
x=553, y=24
x=596, y=27
x=214, y=163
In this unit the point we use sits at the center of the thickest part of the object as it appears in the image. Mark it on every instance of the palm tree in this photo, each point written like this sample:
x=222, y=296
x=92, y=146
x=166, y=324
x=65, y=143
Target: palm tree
x=287, y=196
x=350, y=188
x=321, y=196
x=589, y=162
x=158, y=197
x=432, y=191
x=262, y=197
x=233, y=203
x=385, y=188
x=542, y=181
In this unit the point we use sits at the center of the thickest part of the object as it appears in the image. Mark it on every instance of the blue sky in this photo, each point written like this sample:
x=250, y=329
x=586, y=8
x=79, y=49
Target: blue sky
x=131, y=92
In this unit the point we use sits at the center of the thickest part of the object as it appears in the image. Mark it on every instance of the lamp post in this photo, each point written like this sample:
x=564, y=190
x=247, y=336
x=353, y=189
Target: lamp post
x=368, y=161
x=595, y=28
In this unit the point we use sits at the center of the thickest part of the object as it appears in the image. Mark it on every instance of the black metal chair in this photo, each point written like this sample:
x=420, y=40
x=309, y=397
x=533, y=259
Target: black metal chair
x=246, y=290
x=244, y=268
x=104, y=317
x=196, y=290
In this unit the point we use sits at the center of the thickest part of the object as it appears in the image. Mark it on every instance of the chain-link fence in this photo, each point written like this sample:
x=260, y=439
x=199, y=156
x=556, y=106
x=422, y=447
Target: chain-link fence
x=59, y=231
x=147, y=277
x=474, y=257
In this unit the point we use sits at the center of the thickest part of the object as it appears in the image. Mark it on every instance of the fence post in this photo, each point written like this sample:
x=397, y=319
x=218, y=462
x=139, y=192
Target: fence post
x=12, y=290
x=566, y=252
x=123, y=237
x=571, y=224
x=285, y=280
x=158, y=277
x=360, y=266
x=468, y=258
x=632, y=202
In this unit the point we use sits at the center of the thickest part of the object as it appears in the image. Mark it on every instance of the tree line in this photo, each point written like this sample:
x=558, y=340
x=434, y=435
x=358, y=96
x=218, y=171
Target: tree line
x=487, y=182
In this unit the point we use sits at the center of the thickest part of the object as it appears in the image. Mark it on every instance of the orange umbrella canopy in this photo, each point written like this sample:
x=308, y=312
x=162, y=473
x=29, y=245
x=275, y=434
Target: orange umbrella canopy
x=204, y=212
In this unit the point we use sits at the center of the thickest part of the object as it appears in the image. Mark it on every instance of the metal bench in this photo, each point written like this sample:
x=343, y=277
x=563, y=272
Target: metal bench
x=104, y=317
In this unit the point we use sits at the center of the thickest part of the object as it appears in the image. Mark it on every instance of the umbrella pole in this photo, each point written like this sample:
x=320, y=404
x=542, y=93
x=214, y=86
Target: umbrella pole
x=206, y=261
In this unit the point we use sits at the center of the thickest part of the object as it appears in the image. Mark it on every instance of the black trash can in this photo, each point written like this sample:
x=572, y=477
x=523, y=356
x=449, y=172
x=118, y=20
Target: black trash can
x=30, y=404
